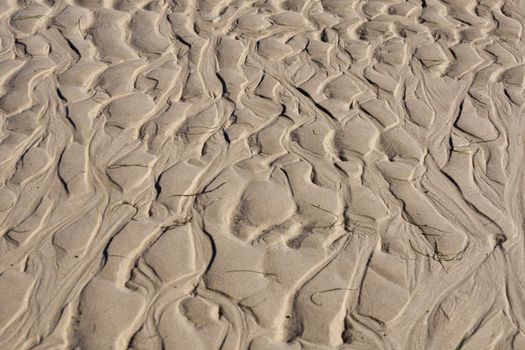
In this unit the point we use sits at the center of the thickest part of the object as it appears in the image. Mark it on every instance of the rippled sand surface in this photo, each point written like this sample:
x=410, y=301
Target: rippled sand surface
x=262, y=174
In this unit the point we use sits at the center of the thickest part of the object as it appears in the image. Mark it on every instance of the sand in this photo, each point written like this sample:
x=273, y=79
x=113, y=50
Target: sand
x=262, y=174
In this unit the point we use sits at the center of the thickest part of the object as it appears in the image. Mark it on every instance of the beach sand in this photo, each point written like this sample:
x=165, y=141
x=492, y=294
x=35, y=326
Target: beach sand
x=262, y=174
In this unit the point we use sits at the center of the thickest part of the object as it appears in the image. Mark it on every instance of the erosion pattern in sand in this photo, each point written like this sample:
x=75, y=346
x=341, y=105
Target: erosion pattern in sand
x=262, y=175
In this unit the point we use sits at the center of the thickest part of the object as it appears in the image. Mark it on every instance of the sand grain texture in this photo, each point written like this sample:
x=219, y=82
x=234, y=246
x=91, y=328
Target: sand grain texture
x=262, y=174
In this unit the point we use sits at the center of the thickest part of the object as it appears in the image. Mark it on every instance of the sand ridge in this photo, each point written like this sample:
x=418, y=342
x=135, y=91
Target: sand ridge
x=261, y=174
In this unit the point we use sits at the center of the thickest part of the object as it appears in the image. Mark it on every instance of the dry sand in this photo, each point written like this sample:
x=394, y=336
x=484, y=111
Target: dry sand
x=262, y=175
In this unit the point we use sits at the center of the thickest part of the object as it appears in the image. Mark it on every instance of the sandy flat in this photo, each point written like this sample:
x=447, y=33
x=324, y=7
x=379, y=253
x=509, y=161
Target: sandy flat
x=262, y=174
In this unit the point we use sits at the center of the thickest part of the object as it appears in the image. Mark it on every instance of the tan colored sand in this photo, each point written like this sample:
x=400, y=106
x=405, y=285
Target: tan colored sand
x=262, y=174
